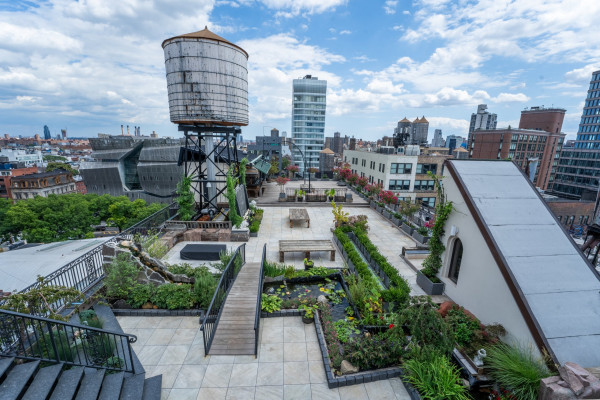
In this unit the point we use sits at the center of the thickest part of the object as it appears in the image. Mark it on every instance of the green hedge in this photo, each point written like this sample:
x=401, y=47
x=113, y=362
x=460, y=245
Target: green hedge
x=400, y=291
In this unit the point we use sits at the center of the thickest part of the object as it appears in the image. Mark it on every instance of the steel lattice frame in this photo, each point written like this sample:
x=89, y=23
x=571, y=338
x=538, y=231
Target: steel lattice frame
x=196, y=161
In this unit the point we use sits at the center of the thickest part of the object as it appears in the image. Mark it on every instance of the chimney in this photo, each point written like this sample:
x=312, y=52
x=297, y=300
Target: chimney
x=127, y=130
x=122, y=132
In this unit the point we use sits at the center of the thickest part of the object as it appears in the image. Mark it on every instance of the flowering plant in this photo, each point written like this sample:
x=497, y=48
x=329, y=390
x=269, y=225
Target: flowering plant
x=353, y=178
x=429, y=224
x=345, y=173
x=388, y=197
x=313, y=170
x=362, y=181
x=281, y=181
x=292, y=168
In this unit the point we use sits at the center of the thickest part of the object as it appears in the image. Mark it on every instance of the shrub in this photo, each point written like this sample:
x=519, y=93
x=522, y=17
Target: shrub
x=462, y=324
x=173, y=296
x=334, y=348
x=270, y=303
x=273, y=269
x=380, y=351
x=436, y=378
x=114, y=362
x=140, y=294
x=517, y=369
x=152, y=245
x=255, y=226
x=427, y=326
x=204, y=288
x=225, y=257
x=63, y=346
x=90, y=318
x=98, y=347
x=423, y=231
x=121, y=276
x=185, y=199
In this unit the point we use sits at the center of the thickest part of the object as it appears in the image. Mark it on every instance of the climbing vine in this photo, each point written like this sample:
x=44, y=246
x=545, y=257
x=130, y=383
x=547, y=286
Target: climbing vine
x=243, y=170
x=185, y=199
x=234, y=217
x=433, y=262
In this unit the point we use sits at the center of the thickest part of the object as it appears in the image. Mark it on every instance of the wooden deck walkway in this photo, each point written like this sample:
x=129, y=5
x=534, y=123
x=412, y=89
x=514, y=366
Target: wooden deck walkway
x=235, y=331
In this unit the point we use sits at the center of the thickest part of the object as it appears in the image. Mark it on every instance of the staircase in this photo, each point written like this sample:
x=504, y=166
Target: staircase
x=31, y=381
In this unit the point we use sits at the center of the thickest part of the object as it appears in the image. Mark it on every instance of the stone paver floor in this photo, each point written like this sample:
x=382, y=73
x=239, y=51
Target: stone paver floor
x=289, y=364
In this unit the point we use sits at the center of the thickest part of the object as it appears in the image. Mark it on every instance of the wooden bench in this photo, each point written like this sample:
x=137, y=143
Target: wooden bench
x=305, y=246
x=299, y=214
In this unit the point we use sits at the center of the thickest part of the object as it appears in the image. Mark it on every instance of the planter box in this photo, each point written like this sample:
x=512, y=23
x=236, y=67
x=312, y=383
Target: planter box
x=429, y=287
x=407, y=229
x=282, y=197
x=420, y=238
x=396, y=221
x=379, y=208
x=253, y=234
x=387, y=214
x=372, y=204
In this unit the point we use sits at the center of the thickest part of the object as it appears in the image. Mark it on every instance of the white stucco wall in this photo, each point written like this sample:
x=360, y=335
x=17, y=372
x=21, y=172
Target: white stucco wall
x=481, y=288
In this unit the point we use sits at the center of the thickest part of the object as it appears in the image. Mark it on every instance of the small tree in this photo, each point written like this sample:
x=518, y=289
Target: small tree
x=234, y=217
x=243, y=170
x=281, y=181
x=407, y=209
x=185, y=199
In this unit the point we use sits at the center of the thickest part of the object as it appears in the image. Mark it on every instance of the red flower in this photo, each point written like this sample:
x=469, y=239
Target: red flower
x=391, y=326
x=381, y=318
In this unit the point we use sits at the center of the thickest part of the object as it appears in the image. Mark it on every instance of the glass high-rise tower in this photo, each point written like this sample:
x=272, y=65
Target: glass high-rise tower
x=308, y=121
x=578, y=171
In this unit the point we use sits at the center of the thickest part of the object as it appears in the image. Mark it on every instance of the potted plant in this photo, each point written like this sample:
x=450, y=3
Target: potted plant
x=308, y=264
x=281, y=181
x=300, y=194
x=396, y=219
x=421, y=234
x=309, y=313
x=330, y=194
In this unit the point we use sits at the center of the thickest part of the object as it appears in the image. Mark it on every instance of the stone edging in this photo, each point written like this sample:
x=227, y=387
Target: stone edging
x=157, y=313
x=346, y=380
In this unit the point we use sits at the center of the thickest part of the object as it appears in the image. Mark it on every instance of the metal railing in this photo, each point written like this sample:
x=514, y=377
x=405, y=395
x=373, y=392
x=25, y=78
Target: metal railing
x=317, y=194
x=213, y=313
x=200, y=224
x=258, y=298
x=86, y=271
x=35, y=338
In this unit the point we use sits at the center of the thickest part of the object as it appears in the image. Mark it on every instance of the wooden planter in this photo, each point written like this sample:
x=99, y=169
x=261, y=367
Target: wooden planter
x=408, y=229
x=428, y=286
x=420, y=238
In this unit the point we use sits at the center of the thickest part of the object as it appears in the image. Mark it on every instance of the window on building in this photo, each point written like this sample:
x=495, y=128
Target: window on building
x=399, y=184
x=457, y=252
x=401, y=168
x=426, y=201
x=424, y=185
x=424, y=168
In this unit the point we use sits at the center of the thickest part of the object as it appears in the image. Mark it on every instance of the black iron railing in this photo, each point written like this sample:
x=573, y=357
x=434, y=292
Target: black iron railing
x=258, y=298
x=86, y=271
x=35, y=338
x=213, y=314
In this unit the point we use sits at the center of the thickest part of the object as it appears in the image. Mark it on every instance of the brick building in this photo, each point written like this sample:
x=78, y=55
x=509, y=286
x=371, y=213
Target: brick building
x=29, y=186
x=8, y=170
x=538, y=139
x=571, y=212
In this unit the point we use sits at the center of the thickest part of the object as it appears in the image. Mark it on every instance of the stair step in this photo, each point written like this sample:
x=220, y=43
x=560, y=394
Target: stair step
x=43, y=382
x=111, y=387
x=90, y=385
x=5, y=364
x=152, y=388
x=14, y=384
x=133, y=387
x=67, y=384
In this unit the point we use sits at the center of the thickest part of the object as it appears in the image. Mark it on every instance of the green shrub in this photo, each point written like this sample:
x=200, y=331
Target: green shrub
x=423, y=231
x=383, y=350
x=427, y=326
x=173, y=296
x=63, y=346
x=204, y=288
x=121, y=276
x=90, y=318
x=463, y=325
x=98, y=347
x=273, y=269
x=140, y=294
x=254, y=226
x=270, y=303
x=225, y=257
x=152, y=245
x=436, y=379
x=114, y=362
x=516, y=369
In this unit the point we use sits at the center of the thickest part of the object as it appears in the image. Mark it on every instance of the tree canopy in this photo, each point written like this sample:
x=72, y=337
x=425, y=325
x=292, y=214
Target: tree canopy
x=69, y=216
x=61, y=165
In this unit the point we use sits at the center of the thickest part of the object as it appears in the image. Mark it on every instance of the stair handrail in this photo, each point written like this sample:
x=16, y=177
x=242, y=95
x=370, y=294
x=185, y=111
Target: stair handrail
x=32, y=337
x=258, y=298
x=213, y=312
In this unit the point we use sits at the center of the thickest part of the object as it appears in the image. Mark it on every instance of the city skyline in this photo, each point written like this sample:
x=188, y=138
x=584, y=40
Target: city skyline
x=94, y=66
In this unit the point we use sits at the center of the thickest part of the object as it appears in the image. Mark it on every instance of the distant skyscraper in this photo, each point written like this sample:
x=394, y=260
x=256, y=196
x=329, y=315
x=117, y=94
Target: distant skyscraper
x=274, y=132
x=438, y=140
x=481, y=120
x=338, y=143
x=47, y=134
x=63, y=133
x=579, y=166
x=411, y=132
x=308, y=120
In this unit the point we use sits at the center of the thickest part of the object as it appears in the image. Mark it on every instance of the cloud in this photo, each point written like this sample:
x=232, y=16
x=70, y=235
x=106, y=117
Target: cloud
x=345, y=32
x=448, y=96
x=448, y=124
x=390, y=7
x=582, y=75
x=511, y=98
x=290, y=8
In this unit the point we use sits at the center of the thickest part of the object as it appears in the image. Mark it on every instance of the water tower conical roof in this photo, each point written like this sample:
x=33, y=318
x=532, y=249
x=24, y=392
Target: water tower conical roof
x=205, y=34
